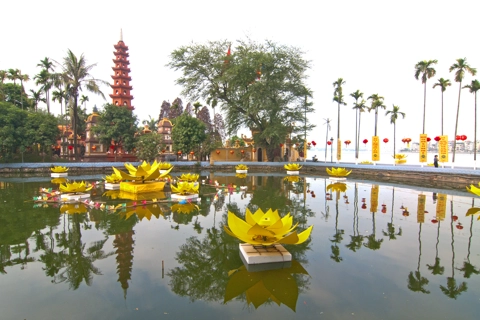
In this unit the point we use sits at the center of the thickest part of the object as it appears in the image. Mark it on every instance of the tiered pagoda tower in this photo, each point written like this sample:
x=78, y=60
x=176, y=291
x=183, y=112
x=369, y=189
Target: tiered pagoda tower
x=121, y=79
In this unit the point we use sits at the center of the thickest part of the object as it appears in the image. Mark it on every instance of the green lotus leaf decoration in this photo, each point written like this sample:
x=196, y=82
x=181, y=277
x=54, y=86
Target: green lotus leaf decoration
x=265, y=228
x=74, y=187
x=186, y=187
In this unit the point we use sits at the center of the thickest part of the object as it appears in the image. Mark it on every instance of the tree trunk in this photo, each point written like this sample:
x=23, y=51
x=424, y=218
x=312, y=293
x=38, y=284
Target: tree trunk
x=475, y=132
x=74, y=123
x=442, y=115
x=456, y=123
x=424, y=104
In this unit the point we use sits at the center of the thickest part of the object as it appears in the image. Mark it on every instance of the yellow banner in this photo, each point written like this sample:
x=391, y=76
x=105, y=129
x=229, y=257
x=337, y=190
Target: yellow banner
x=339, y=150
x=375, y=148
x=423, y=148
x=443, y=148
x=441, y=206
x=374, y=198
x=421, y=208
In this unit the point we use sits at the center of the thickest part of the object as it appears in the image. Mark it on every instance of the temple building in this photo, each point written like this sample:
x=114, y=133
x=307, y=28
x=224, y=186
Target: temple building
x=121, y=79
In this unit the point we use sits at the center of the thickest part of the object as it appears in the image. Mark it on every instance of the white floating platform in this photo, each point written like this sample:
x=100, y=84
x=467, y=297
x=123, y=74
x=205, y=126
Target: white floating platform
x=112, y=186
x=266, y=266
x=70, y=197
x=162, y=171
x=176, y=196
x=241, y=171
x=243, y=188
x=260, y=255
x=58, y=174
x=293, y=172
x=337, y=178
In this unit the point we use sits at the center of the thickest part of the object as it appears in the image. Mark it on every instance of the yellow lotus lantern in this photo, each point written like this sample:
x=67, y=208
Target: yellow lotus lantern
x=277, y=285
x=473, y=189
x=292, y=167
x=58, y=180
x=185, y=208
x=165, y=166
x=337, y=187
x=74, y=187
x=400, y=158
x=265, y=228
x=112, y=194
x=241, y=175
x=113, y=178
x=473, y=211
x=141, y=210
x=190, y=177
x=292, y=179
x=241, y=167
x=141, y=178
x=185, y=188
x=338, y=172
x=59, y=169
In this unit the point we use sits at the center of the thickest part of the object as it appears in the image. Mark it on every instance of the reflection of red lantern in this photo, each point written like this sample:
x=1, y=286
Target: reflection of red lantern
x=463, y=137
x=408, y=140
x=94, y=148
x=329, y=142
x=429, y=139
x=404, y=140
x=308, y=144
x=385, y=140
x=434, y=221
x=347, y=142
x=459, y=226
x=437, y=138
x=365, y=141
x=314, y=143
x=218, y=151
x=70, y=147
x=454, y=218
x=384, y=209
x=231, y=151
x=364, y=206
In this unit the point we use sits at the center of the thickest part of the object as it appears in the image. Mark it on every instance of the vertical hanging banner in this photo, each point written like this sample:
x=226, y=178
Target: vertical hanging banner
x=443, y=148
x=374, y=199
x=441, y=206
x=423, y=148
x=375, y=148
x=421, y=208
x=339, y=150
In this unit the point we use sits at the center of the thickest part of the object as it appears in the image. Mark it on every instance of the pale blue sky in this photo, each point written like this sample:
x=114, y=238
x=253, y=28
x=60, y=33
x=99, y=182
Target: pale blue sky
x=372, y=45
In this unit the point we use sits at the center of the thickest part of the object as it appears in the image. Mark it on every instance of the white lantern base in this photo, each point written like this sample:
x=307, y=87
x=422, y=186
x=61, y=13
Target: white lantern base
x=260, y=254
x=74, y=197
x=176, y=196
x=293, y=172
x=58, y=174
x=241, y=171
x=112, y=186
x=337, y=179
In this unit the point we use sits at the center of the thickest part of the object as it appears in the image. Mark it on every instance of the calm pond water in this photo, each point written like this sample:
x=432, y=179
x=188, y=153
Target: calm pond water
x=375, y=253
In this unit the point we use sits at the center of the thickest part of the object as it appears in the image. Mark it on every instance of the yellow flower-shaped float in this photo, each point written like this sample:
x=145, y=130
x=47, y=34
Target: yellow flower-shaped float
x=189, y=177
x=277, y=285
x=265, y=228
x=141, y=178
x=338, y=172
x=292, y=179
x=400, y=158
x=241, y=175
x=74, y=187
x=58, y=169
x=337, y=187
x=58, y=180
x=241, y=167
x=473, y=189
x=292, y=167
x=142, y=211
x=112, y=194
x=473, y=211
x=165, y=166
x=185, y=188
x=113, y=178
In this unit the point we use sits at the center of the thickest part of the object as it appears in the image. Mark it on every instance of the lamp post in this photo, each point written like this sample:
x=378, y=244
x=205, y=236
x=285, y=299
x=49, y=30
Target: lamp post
x=331, y=149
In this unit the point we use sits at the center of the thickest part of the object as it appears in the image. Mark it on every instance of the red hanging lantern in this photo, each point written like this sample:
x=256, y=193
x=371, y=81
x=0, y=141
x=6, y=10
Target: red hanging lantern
x=329, y=142
x=218, y=151
x=254, y=150
x=70, y=147
x=163, y=150
x=463, y=137
x=429, y=139
x=281, y=145
x=112, y=147
x=231, y=151
x=314, y=143
x=243, y=151
x=179, y=152
x=94, y=148
x=365, y=141
x=437, y=138
x=458, y=137
x=385, y=140
x=192, y=153
x=308, y=144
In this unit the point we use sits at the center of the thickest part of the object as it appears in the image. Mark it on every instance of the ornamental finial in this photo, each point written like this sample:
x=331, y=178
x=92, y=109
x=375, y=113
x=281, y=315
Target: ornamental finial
x=121, y=34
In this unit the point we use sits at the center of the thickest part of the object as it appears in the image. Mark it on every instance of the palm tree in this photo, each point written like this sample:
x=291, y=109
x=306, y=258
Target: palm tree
x=394, y=113
x=377, y=102
x=416, y=281
x=76, y=73
x=474, y=87
x=60, y=96
x=36, y=97
x=83, y=100
x=359, y=108
x=391, y=232
x=13, y=74
x=151, y=122
x=3, y=77
x=46, y=78
x=443, y=84
x=460, y=68
x=425, y=69
x=338, y=98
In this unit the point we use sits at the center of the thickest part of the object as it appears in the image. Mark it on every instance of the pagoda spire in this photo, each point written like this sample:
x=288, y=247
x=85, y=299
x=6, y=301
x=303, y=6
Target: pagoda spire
x=121, y=87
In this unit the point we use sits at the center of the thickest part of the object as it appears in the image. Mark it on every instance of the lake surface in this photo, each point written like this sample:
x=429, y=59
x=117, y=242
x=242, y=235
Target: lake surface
x=375, y=252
